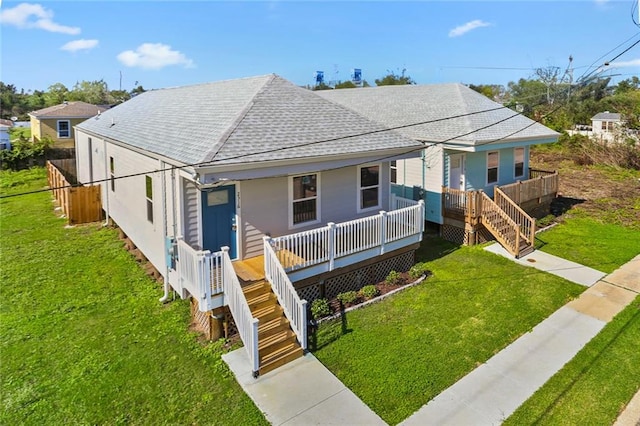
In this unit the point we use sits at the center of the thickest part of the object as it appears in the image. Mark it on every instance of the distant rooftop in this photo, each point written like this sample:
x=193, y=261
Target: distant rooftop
x=75, y=109
x=609, y=116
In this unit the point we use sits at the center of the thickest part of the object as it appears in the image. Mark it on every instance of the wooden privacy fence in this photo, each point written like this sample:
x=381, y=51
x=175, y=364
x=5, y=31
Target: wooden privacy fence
x=80, y=204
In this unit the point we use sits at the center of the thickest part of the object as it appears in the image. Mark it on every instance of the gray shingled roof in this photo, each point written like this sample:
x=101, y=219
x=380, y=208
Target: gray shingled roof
x=611, y=116
x=239, y=121
x=395, y=106
x=76, y=109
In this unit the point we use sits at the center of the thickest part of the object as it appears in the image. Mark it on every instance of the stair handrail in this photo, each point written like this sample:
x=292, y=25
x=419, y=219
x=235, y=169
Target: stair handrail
x=245, y=322
x=295, y=309
x=526, y=223
x=511, y=243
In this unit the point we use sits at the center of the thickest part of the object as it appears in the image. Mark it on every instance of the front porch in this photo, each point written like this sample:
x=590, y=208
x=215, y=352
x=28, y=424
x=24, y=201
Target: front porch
x=259, y=291
x=471, y=217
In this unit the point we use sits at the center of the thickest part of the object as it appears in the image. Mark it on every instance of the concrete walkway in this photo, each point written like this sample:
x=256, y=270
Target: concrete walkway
x=302, y=392
x=566, y=269
x=493, y=391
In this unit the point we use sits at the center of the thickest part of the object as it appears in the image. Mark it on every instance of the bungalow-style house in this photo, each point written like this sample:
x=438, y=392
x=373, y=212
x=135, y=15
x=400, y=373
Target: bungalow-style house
x=475, y=148
x=57, y=121
x=257, y=197
x=5, y=140
x=606, y=126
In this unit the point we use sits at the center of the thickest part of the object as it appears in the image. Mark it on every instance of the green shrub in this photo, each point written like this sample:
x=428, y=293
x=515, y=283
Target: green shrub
x=369, y=291
x=347, y=297
x=24, y=152
x=417, y=270
x=394, y=278
x=320, y=308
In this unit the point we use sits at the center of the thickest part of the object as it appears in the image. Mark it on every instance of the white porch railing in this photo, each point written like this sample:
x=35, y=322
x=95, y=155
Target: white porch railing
x=200, y=273
x=294, y=308
x=335, y=241
x=245, y=322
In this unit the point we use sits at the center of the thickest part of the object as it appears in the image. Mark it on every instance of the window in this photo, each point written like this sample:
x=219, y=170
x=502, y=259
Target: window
x=304, y=199
x=493, y=159
x=518, y=155
x=394, y=172
x=112, y=174
x=64, y=129
x=149, y=194
x=368, y=187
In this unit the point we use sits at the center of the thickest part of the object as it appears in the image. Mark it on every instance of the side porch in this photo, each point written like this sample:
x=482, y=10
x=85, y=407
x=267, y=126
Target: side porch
x=472, y=217
x=266, y=295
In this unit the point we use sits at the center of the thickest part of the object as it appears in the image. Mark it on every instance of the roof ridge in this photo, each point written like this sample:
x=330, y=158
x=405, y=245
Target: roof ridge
x=241, y=116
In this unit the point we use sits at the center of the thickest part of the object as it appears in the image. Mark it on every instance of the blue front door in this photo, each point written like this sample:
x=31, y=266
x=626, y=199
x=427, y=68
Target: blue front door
x=219, y=219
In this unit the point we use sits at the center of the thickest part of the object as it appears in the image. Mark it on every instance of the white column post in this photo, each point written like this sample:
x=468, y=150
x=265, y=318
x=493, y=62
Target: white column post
x=383, y=230
x=332, y=244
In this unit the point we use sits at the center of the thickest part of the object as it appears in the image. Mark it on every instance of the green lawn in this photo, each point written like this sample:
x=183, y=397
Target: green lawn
x=83, y=337
x=589, y=241
x=399, y=354
x=595, y=385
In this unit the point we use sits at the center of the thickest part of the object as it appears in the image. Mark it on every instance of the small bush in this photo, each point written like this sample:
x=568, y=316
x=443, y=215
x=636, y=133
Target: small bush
x=347, y=298
x=369, y=291
x=417, y=270
x=24, y=153
x=320, y=308
x=394, y=278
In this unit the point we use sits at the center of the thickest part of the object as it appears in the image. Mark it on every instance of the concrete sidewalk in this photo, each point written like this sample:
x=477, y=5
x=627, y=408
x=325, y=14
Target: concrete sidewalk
x=493, y=391
x=302, y=392
x=546, y=262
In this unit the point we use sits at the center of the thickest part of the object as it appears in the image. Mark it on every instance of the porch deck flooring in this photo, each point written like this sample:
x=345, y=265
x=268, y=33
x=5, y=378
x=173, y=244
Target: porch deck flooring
x=251, y=269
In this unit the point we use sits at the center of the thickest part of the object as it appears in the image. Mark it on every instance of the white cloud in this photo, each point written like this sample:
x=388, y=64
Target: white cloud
x=469, y=26
x=154, y=56
x=625, y=64
x=28, y=15
x=82, y=44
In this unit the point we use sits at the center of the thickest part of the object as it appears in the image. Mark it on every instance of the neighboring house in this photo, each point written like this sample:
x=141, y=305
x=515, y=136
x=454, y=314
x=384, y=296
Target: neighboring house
x=57, y=121
x=291, y=187
x=472, y=144
x=606, y=126
x=5, y=126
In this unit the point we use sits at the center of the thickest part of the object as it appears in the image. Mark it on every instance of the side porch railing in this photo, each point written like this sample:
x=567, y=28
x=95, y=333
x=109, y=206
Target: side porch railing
x=540, y=184
x=295, y=309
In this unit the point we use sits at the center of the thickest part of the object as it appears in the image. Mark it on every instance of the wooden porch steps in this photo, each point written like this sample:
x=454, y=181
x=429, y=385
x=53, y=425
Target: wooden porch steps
x=277, y=343
x=504, y=232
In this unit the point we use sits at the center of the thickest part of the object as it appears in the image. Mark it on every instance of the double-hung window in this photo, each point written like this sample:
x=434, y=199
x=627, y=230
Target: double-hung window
x=368, y=187
x=112, y=173
x=518, y=155
x=64, y=129
x=394, y=172
x=149, y=196
x=493, y=159
x=304, y=194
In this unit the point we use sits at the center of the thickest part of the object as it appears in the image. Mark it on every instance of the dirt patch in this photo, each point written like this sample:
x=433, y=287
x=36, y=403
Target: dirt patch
x=603, y=193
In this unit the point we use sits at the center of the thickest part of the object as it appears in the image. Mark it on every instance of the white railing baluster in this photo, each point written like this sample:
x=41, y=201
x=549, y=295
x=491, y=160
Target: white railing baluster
x=294, y=308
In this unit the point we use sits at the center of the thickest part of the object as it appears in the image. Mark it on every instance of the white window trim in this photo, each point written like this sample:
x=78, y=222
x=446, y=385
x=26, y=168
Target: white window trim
x=149, y=201
x=69, y=129
x=515, y=158
x=290, y=201
x=497, y=167
x=359, y=189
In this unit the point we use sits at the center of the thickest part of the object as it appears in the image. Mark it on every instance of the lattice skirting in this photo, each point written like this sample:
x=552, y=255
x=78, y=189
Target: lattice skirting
x=464, y=236
x=355, y=280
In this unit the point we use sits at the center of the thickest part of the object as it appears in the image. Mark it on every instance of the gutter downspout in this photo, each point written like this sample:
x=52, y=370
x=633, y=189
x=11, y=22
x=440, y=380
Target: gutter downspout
x=167, y=286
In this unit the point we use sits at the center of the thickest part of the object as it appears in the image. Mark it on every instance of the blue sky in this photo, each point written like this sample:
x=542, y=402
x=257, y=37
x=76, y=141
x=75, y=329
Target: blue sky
x=174, y=43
